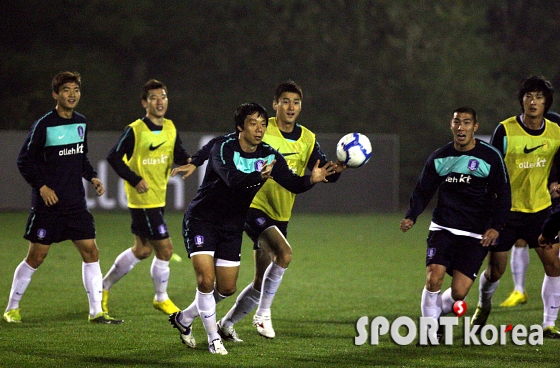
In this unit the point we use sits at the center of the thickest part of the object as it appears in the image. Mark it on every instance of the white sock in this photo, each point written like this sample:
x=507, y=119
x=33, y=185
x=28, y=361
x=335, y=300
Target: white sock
x=123, y=264
x=188, y=315
x=246, y=301
x=22, y=278
x=160, y=276
x=486, y=290
x=92, y=278
x=206, y=306
x=519, y=263
x=551, y=299
x=431, y=303
x=271, y=281
x=447, y=302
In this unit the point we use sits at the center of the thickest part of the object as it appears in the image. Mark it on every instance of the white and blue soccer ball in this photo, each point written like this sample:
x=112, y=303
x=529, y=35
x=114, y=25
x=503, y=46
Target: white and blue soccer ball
x=354, y=150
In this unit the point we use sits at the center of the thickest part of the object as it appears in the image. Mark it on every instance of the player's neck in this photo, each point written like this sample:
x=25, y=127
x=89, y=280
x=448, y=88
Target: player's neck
x=534, y=123
x=284, y=126
x=64, y=112
x=155, y=119
x=467, y=147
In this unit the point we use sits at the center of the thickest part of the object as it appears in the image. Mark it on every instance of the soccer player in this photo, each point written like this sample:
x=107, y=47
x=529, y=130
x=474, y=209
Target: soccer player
x=53, y=160
x=473, y=202
x=519, y=257
x=213, y=223
x=529, y=144
x=272, y=206
x=143, y=156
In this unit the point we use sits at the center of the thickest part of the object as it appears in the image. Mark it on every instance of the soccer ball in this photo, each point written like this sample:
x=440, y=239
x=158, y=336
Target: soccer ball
x=354, y=150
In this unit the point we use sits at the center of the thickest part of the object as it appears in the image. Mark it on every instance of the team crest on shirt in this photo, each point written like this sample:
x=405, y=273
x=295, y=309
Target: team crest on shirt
x=473, y=165
x=199, y=240
x=259, y=165
x=41, y=233
x=81, y=131
x=162, y=229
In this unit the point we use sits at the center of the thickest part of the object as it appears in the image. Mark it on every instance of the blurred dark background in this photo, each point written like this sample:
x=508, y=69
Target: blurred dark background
x=385, y=66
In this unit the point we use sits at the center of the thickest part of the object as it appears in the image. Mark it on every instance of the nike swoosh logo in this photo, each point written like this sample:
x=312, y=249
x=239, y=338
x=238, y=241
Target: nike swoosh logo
x=60, y=136
x=529, y=150
x=152, y=147
x=287, y=153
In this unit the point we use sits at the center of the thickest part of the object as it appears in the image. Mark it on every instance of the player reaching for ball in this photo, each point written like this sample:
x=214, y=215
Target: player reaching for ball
x=474, y=199
x=270, y=211
x=213, y=223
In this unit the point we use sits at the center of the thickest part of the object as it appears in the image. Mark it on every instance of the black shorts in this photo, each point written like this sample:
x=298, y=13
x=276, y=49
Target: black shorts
x=48, y=228
x=204, y=237
x=455, y=252
x=149, y=223
x=526, y=226
x=257, y=221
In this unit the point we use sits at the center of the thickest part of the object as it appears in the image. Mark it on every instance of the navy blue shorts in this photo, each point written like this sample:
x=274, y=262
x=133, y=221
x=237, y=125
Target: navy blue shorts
x=204, y=237
x=257, y=221
x=48, y=228
x=149, y=223
x=455, y=252
x=526, y=226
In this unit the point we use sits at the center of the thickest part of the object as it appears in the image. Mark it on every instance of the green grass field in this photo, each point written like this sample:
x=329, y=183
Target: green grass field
x=344, y=267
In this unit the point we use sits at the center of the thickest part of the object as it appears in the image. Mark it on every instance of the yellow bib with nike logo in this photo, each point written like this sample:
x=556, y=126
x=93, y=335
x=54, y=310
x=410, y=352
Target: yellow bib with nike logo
x=152, y=159
x=528, y=159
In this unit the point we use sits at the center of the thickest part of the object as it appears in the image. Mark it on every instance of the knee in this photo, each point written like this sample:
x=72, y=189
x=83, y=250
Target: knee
x=90, y=255
x=228, y=291
x=35, y=261
x=142, y=253
x=283, y=256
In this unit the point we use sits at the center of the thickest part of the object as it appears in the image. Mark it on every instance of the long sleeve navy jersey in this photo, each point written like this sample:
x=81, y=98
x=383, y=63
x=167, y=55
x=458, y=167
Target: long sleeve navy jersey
x=55, y=154
x=474, y=193
x=232, y=179
x=125, y=147
x=317, y=154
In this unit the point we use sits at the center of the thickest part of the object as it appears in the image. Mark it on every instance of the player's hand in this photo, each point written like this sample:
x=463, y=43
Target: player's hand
x=330, y=167
x=48, y=195
x=545, y=243
x=98, y=185
x=266, y=171
x=319, y=174
x=339, y=166
x=142, y=186
x=188, y=169
x=489, y=237
x=406, y=224
x=554, y=190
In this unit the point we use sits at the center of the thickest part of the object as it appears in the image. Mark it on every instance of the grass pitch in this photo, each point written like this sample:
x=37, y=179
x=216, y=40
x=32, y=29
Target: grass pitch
x=344, y=267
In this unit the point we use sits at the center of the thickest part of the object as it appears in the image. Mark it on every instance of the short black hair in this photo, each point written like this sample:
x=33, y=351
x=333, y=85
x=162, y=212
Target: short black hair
x=289, y=86
x=466, y=110
x=152, y=84
x=65, y=77
x=536, y=83
x=247, y=109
